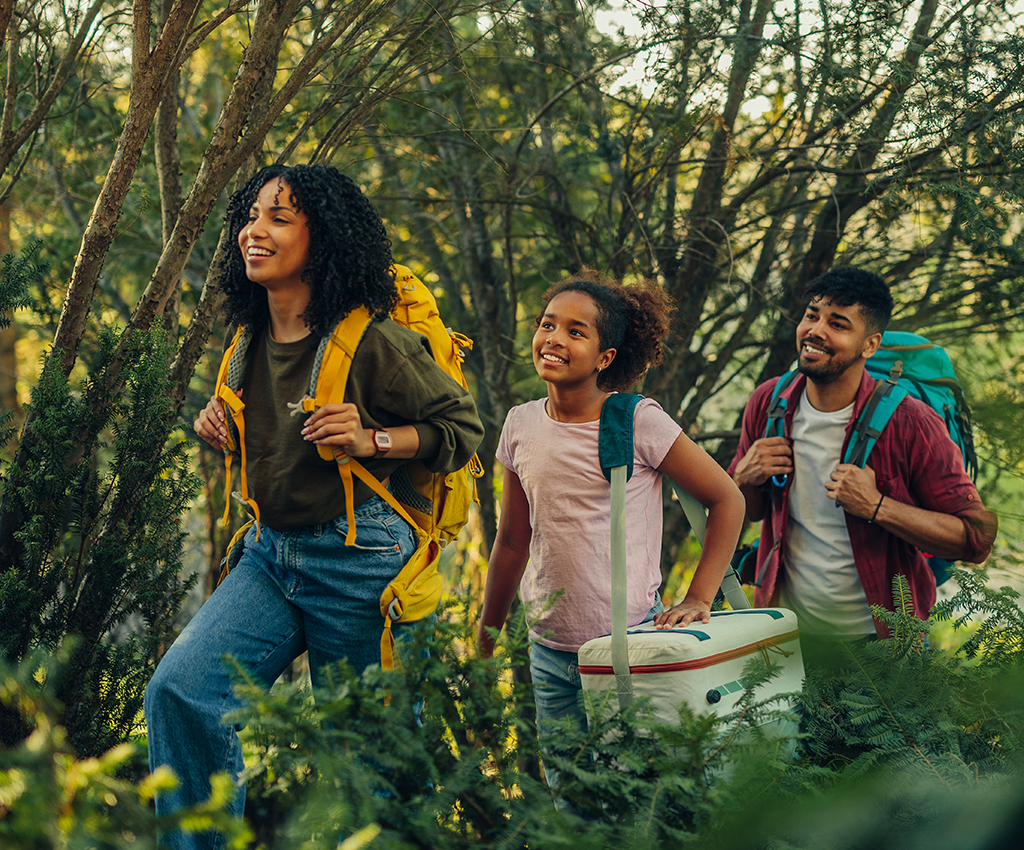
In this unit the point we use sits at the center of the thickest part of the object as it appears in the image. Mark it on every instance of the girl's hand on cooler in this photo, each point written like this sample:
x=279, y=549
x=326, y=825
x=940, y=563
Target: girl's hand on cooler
x=683, y=614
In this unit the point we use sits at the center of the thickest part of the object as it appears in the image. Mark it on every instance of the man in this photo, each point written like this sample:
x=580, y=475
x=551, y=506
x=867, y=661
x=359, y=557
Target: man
x=834, y=534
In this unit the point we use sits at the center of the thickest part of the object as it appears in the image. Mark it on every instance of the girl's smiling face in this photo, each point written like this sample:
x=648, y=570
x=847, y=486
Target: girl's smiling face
x=566, y=346
x=275, y=242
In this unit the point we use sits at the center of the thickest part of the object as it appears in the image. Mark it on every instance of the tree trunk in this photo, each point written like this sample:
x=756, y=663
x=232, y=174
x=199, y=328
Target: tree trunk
x=8, y=339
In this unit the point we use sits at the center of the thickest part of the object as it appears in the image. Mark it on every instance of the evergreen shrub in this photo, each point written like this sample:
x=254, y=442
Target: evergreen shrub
x=90, y=523
x=898, y=742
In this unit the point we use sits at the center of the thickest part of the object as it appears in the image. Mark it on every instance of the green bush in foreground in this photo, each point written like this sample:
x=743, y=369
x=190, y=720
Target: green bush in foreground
x=902, y=746
x=902, y=740
x=50, y=798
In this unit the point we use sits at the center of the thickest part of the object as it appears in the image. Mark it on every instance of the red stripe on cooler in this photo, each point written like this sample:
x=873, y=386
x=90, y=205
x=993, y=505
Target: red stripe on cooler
x=695, y=663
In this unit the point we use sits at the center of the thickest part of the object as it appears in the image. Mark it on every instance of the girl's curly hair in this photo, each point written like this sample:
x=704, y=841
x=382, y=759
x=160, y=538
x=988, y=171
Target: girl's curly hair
x=631, y=319
x=349, y=251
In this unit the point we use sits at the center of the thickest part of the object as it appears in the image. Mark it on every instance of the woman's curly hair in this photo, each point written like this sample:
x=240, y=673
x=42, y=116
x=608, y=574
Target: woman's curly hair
x=631, y=319
x=349, y=251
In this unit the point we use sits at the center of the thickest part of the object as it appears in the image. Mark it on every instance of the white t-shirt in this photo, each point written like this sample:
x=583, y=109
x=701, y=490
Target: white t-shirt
x=820, y=581
x=570, y=502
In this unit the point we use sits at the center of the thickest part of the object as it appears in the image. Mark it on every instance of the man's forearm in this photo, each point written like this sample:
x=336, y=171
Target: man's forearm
x=937, y=534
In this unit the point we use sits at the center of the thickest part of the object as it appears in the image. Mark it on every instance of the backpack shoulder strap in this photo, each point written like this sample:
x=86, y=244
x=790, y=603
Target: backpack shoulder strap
x=777, y=406
x=331, y=365
x=615, y=434
x=873, y=419
x=327, y=382
x=332, y=374
x=229, y=379
x=775, y=426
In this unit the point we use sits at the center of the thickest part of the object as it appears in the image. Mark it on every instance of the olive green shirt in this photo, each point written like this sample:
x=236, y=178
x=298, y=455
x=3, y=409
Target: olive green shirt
x=393, y=381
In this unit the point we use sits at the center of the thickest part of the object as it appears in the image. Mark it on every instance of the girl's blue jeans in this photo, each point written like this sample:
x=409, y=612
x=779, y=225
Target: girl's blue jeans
x=558, y=689
x=292, y=591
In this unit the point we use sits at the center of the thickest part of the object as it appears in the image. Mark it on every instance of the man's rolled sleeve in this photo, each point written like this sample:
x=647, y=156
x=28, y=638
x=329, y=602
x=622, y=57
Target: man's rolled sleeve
x=939, y=479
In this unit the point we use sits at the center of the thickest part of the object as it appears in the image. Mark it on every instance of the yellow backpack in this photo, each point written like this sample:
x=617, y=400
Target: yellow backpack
x=436, y=505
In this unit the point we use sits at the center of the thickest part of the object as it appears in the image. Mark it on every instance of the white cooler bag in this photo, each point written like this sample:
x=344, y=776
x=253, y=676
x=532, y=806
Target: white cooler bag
x=700, y=665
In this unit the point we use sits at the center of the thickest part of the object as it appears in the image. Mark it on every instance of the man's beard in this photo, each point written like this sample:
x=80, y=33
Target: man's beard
x=828, y=371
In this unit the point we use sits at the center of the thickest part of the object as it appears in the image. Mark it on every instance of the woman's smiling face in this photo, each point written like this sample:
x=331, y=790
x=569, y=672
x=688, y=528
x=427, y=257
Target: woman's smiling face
x=275, y=242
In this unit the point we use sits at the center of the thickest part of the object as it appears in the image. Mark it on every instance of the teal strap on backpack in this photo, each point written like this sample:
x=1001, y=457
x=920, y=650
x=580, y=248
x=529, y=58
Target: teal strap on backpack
x=776, y=424
x=868, y=427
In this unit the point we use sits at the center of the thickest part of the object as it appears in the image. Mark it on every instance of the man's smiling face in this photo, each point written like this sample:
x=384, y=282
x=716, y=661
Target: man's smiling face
x=830, y=339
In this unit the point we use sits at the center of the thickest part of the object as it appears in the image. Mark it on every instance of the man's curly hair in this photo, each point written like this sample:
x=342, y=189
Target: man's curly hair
x=631, y=319
x=846, y=286
x=349, y=251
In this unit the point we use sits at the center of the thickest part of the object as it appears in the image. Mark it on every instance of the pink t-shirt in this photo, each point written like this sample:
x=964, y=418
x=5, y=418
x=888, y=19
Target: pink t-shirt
x=570, y=501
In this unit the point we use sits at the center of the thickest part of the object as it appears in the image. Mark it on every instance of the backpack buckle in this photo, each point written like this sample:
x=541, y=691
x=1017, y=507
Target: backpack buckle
x=303, y=405
x=393, y=614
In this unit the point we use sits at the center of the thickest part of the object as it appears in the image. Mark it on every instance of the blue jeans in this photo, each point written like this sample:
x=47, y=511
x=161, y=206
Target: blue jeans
x=292, y=591
x=557, y=687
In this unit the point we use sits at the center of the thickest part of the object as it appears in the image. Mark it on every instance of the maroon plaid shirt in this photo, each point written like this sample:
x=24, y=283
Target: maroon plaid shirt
x=915, y=462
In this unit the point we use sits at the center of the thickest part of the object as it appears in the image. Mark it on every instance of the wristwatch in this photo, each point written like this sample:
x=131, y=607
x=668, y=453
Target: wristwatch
x=382, y=440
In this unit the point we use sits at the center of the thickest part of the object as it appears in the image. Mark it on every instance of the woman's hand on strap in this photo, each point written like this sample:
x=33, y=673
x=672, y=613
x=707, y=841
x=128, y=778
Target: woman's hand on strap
x=340, y=426
x=210, y=425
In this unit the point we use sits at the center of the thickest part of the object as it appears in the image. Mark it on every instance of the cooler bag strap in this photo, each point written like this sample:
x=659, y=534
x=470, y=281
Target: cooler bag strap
x=615, y=452
x=696, y=513
x=615, y=437
x=697, y=516
x=620, y=646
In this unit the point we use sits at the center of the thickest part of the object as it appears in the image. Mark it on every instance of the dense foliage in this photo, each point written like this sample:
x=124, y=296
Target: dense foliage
x=899, y=743
x=101, y=545
x=52, y=798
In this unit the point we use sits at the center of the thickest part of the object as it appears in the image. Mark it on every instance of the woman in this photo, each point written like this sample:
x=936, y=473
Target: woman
x=307, y=248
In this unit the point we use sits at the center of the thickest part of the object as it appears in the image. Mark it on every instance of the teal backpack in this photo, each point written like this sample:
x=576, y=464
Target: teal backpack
x=905, y=364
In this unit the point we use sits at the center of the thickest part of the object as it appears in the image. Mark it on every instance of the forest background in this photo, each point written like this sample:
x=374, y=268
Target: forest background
x=731, y=151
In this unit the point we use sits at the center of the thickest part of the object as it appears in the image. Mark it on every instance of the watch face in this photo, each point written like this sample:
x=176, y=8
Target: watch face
x=382, y=439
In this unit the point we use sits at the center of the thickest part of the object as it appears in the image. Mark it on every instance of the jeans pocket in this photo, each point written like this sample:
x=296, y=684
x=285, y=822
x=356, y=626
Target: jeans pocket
x=380, y=530
x=372, y=534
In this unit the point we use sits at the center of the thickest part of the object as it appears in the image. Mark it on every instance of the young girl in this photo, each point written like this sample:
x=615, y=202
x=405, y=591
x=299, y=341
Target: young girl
x=594, y=337
x=307, y=248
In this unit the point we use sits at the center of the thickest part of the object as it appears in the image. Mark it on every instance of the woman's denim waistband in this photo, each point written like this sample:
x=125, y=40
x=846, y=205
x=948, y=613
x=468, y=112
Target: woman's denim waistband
x=375, y=506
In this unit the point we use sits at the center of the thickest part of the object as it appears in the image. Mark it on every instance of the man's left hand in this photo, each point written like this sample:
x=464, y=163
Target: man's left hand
x=853, y=489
